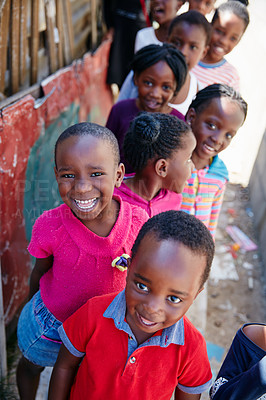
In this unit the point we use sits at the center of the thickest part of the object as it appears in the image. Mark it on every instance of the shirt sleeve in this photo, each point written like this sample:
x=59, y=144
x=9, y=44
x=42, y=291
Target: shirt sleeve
x=128, y=90
x=215, y=210
x=247, y=385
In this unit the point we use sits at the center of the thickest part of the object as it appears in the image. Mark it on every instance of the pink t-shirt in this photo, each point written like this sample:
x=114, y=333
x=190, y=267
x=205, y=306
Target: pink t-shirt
x=82, y=260
x=164, y=201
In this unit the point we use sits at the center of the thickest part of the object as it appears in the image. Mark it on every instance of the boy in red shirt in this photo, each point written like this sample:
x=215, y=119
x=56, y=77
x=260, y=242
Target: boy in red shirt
x=138, y=344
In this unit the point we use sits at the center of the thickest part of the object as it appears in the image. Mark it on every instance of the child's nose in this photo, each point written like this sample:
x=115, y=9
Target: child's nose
x=156, y=92
x=184, y=50
x=83, y=185
x=218, y=138
x=153, y=306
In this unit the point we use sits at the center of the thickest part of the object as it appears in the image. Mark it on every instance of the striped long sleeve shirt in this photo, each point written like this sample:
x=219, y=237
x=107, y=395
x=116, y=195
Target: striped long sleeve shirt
x=221, y=72
x=204, y=191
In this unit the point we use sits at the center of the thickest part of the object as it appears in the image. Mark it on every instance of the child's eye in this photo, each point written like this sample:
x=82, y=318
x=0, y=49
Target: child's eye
x=166, y=87
x=96, y=174
x=193, y=47
x=68, y=176
x=148, y=83
x=142, y=287
x=229, y=136
x=212, y=126
x=234, y=39
x=174, y=299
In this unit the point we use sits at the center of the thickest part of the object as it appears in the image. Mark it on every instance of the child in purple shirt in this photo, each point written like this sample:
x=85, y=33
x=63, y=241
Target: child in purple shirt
x=159, y=148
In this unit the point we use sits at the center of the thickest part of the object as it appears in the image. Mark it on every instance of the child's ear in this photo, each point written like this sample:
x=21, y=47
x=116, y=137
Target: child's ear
x=135, y=79
x=120, y=172
x=191, y=116
x=205, y=51
x=161, y=167
x=56, y=173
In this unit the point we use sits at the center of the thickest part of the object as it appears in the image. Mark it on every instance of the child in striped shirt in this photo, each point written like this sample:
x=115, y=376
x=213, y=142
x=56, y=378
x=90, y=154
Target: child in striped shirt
x=229, y=23
x=215, y=116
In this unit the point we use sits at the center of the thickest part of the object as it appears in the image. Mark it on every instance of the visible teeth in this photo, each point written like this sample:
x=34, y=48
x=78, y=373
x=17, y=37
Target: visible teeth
x=146, y=322
x=86, y=204
x=209, y=148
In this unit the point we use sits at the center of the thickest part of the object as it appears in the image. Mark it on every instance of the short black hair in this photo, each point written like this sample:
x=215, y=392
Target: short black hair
x=204, y=97
x=193, y=17
x=153, y=135
x=153, y=53
x=89, y=128
x=183, y=228
x=234, y=7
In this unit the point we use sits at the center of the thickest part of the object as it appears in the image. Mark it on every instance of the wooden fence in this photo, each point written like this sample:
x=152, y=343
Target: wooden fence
x=37, y=37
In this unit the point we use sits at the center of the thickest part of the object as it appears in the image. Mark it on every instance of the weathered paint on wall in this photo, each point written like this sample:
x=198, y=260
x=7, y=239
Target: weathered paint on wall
x=28, y=131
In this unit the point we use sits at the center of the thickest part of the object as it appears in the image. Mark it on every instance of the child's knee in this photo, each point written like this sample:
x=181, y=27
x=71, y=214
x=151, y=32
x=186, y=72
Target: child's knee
x=256, y=333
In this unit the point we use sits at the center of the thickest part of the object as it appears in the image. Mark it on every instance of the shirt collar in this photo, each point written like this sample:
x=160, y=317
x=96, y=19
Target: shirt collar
x=117, y=311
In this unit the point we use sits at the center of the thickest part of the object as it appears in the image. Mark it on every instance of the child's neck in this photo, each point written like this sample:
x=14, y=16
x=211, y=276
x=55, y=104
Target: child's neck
x=104, y=222
x=199, y=162
x=144, y=185
x=183, y=92
x=209, y=60
x=162, y=32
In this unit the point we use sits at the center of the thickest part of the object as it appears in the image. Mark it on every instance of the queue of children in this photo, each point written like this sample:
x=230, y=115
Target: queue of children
x=115, y=327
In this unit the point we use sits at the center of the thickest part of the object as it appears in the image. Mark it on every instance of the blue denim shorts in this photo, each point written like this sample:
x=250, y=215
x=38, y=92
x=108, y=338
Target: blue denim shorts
x=38, y=338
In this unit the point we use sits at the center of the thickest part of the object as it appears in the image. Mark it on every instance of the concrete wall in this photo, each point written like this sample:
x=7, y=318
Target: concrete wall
x=257, y=186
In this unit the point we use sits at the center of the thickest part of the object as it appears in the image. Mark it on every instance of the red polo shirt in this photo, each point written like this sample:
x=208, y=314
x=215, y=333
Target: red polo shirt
x=151, y=371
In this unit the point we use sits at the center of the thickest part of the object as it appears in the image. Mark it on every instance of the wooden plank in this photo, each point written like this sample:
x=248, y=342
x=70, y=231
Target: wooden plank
x=34, y=40
x=3, y=359
x=59, y=24
x=68, y=32
x=15, y=47
x=23, y=40
x=50, y=29
x=4, y=29
x=93, y=23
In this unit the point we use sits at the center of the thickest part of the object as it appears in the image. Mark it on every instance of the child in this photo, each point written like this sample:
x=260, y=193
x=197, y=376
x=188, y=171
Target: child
x=138, y=344
x=159, y=148
x=229, y=23
x=74, y=245
x=202, y=6
x=215, y=116
x=159, y=72
x=190, y=33
x=161, y=12
x=243, y=373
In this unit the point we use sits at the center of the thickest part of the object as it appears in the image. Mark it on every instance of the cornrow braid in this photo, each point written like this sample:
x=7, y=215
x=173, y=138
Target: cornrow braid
x=204, y=97
x=153, y=136
x=152, y=54
x=183, y=228
x=235, y=7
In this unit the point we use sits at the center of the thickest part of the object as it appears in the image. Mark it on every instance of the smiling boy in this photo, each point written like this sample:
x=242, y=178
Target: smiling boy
x=138, y=344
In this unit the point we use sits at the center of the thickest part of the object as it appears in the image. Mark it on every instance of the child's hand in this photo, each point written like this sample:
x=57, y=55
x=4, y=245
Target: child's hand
x=63, y=375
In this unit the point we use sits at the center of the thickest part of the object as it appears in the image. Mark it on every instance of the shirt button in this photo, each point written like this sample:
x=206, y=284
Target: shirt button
x=201, y=173
x=198, y=199
x=132, y=360
x=130, y=337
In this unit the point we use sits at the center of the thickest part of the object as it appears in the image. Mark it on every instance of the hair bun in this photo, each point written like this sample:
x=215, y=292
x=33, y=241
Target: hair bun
x=147, y=127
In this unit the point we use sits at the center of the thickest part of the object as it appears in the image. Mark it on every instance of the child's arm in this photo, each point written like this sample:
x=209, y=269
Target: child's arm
x=63, y=375
x=180, y=395
x=42, y=265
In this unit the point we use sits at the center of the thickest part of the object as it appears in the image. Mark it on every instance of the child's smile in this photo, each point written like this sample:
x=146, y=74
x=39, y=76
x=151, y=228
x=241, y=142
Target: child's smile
x=156, y=87
x=227, y=32
x=163, y=281
x=214, y=127
x=86, y=177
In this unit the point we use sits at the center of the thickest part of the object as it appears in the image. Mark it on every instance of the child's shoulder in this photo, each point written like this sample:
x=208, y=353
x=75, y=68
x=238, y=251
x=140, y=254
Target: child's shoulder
x=219, y=168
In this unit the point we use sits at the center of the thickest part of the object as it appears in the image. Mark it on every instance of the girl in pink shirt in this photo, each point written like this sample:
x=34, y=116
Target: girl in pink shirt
x=159, y=148
x=74, y=245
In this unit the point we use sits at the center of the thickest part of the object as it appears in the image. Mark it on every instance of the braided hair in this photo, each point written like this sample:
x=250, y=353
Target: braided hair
x=153, y=136
x=152, y=54
x=89, y=128
x=193, y=17
x=234, y=7
x=183, y=228
x=204, y=97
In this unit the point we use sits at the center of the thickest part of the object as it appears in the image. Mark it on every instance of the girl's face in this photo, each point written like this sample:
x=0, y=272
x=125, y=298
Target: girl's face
x=162, y=283
x=156, y=87
x=203, y=6
x=214, y=128
x=191, y=41
x=180, y=166
x=86, y=177
x=164, y=11
x=227, y=32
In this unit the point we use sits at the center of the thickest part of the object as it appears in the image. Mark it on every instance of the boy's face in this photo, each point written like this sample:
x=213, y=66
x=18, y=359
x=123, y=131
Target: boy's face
x=162, y=283
x=191, y=41
x=227, y=32
x=163, y=11
x=203, y=6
